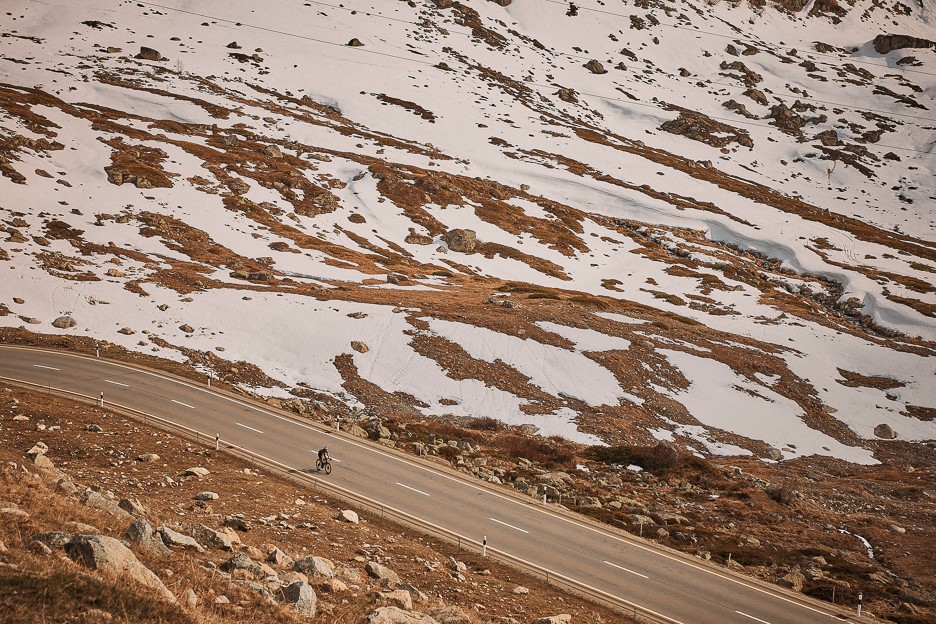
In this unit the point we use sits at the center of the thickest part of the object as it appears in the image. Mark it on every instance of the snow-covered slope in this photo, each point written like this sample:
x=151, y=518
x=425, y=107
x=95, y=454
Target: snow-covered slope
x=704, y=222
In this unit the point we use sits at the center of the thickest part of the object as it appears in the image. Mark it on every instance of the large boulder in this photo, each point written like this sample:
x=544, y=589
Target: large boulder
x=149, y=54
x=395, y=615
x=452, y=615
x=301, y=597
x=888, y=43
x=132, y=506
x=110, y=556
x=396, y=598
x=461, y=240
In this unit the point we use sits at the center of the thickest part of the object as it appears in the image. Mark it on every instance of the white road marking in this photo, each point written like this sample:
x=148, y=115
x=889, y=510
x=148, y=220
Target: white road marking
x=614, y=565
x=412, y=488
x=752, y=617
x=246, y=427
x=48, y=367
x=117, y=383
x=181, y=403
x=509, y=525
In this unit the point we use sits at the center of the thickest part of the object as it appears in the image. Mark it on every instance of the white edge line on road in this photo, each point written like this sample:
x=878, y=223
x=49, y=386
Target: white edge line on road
x=412, y=488
x=509, y=525
x=429, y=470
x=614, y=565
x=48, y=367
x=184, y=404
x=246, y=427
x=354, y=495
x=117, y=383
x=752, y=617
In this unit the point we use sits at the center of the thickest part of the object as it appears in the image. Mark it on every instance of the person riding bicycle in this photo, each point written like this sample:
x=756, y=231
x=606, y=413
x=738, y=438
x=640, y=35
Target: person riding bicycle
x=323, y=455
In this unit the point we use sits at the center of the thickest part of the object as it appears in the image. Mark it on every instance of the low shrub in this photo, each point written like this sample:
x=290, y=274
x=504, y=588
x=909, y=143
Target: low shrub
x=551, y=451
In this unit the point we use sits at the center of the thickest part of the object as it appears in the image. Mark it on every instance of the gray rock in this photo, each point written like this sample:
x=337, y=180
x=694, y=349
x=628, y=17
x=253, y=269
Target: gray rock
x=110, y=556
x=259, y=588
x=196, y=471
x=237, y=523
x=98, y=501
x=64, y=322
x=562, y=618
x=520, y=590
x=206, y=496
x=53, y=539
x=140, y=532
x=301, y=597
x=588, y=502
x=395, y=615
x=396, y=598
x=794, y=580
x=132, y=506
x=381, y=572
x=885, y=432
x=452, y=615
x=174, y=539
x=315, y=567
x=222, y=540
x=278, y=558
x=773, y=454
x=149, y=54
x=461, y=240
x=188, y=599
x=347, y=515
x=148, y=457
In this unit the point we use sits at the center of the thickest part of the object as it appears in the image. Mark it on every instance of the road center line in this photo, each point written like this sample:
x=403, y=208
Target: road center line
x=614, y=565
x=509, y=525
x=246, y=427
x=117, y=383
x=181, y=403
x=48, y=367
x=752, y=617
x=412, y=488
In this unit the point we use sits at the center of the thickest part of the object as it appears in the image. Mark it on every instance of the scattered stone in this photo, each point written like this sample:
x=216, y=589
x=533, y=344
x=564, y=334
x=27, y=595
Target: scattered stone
x=174, y=539
x=188, y=599
x=301, y=597
x=452, y=615
x=110, y=556
x=395, y=615
x=141, y=532
x=595, y=67
x=149, y=54
x=347, y=515
x=186, y=329
x=355, y=43
x=381, y=572
x=222, y=540
x=461, y=240
x=196, y=471
x=884, y=44
x=148, y=457
x=278, y=558
x=315, y=567
x=132, y=506
x=794, y=580
x=520, y=590
x=64, y=322
x=397, y=598
x=237, y=523
x=126, y=331
x=98, y=501
x=206, y=496
x=773, y=454
x=93, y=428
x=885, y=432
x=53, y=539
x=562, y=618
x=360, y=347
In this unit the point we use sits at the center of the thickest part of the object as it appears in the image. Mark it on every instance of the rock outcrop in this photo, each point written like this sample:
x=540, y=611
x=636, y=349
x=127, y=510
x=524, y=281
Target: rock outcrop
x=110, y=556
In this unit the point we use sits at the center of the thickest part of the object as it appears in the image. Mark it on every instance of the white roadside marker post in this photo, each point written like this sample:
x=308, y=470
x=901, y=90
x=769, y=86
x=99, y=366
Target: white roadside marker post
x=209, y=379
x=101, y=400
x=484, y=547
x=217, y=441
x=97, y=350
x=859, y=604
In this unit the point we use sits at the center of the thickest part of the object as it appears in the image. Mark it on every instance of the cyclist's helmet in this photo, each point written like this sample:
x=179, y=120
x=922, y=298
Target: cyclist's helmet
x=325, y=449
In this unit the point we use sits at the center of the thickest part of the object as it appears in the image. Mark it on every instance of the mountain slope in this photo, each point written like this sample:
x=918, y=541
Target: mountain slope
x=665, y=220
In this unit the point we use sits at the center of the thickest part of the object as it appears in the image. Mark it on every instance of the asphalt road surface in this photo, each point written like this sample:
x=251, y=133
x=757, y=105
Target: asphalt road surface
x=677, y=588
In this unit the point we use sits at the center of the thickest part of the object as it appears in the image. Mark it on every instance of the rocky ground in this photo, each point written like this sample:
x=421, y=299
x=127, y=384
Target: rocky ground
x=819, y=526
x=215, y=539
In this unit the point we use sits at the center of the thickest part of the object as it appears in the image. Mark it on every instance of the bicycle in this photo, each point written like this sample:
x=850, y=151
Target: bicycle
x=323, y=464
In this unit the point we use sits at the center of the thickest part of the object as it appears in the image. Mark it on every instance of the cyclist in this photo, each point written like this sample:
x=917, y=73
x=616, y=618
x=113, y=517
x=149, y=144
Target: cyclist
x=323, y=455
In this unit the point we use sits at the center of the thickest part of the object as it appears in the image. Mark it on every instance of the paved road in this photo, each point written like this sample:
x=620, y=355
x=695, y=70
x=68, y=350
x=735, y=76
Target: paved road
x=677, y=588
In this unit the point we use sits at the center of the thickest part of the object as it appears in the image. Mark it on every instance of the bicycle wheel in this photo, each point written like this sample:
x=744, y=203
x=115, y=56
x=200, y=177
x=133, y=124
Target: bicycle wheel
x=318, y=464
x=327, y=467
